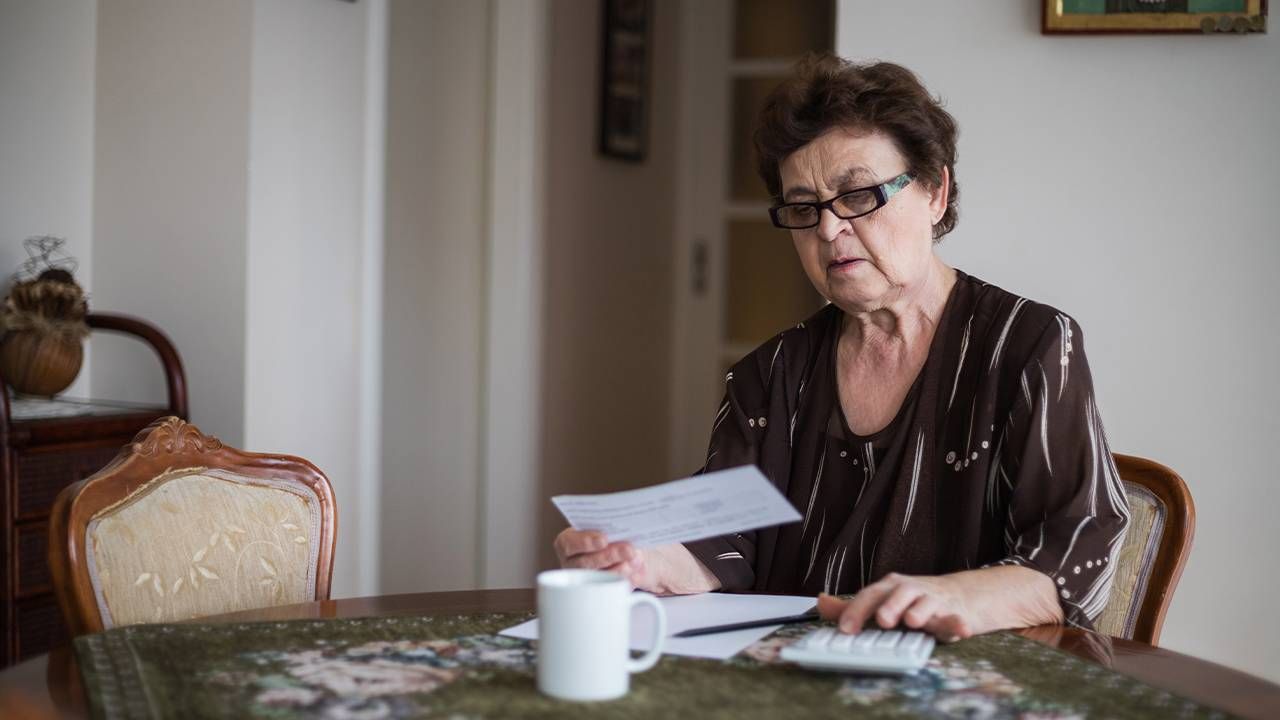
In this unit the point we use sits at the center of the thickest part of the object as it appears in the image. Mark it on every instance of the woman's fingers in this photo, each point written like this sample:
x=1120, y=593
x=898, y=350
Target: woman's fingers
x=919, y=613
x=572, y=542
x=612, y=554
x=830, y=606
x=917, y=603
x=626, y=570
x=634, y=571
x=948, y=628
x=896, y=602
x=863, y=605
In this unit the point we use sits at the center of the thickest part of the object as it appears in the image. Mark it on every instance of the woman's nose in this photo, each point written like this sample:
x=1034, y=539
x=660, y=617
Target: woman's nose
x=830, y=226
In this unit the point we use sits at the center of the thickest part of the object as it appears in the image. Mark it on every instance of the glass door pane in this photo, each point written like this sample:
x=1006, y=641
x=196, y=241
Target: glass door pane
x=767, y=290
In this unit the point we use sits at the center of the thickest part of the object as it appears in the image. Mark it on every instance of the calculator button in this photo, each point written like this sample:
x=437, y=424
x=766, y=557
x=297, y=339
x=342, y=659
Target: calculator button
x=819, y=639
x=910, y=644
x=888, y=640
x=842, y=643
x=865, y=639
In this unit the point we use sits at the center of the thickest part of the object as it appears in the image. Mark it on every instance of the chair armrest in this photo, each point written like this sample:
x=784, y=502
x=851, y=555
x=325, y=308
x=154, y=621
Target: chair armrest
x=175, y=378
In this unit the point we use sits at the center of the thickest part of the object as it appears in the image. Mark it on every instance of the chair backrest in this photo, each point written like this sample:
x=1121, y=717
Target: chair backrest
x=180, y=526
x=1162, y=523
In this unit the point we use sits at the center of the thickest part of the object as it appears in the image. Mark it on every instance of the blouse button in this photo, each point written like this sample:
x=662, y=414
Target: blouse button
x=751, y=422
x=844, y=453
x=951, y=457
x=763, y=422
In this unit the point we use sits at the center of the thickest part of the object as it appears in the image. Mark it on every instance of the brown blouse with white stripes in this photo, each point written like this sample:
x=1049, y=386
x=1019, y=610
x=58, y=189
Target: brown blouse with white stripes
x=996, y=457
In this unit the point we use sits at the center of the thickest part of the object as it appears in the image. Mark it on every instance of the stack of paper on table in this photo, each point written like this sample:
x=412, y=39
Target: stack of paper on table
x=686, y=612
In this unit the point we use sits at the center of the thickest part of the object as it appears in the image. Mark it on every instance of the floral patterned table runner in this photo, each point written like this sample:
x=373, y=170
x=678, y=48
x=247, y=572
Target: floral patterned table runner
x=457, y=667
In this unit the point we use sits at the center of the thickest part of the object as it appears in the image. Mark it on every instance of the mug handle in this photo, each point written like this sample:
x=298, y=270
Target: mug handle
x=649, y=659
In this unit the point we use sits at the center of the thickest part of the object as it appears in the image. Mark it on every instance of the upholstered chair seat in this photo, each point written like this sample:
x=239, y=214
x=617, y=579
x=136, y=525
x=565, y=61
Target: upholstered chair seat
x=1156, y=546
x=180, y=526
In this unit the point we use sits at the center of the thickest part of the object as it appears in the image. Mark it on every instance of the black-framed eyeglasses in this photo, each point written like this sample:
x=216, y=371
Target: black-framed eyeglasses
x=846, y=206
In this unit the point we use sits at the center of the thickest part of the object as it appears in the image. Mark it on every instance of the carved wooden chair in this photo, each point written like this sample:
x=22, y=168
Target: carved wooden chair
x=1162, y=524
x=181, y=526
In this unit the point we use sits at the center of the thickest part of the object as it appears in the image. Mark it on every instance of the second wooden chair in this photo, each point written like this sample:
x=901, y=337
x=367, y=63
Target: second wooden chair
x=181, y=526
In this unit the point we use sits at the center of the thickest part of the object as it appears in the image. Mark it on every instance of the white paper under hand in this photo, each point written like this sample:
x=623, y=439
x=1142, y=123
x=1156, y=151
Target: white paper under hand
x=685, y=612
x=727, y=501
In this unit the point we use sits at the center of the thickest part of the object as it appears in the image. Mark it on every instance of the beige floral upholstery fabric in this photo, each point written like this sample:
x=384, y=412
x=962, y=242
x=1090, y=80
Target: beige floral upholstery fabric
x=203, y=542
x=1133, y=567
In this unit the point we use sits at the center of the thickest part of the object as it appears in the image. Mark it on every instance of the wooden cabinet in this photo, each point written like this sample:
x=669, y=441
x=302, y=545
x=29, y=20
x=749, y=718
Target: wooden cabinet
x=45, y=445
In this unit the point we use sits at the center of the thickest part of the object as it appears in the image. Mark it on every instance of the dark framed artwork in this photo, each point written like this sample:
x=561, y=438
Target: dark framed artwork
x=1154, y=16
x=624, y=80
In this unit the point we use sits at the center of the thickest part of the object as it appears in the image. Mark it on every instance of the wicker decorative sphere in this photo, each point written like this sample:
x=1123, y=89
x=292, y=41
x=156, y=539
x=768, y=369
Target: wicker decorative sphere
x=37, y=363
x=43, y=319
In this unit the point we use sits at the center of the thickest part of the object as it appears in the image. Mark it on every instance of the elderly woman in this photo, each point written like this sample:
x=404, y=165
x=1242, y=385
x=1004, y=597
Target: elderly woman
x=938, y=434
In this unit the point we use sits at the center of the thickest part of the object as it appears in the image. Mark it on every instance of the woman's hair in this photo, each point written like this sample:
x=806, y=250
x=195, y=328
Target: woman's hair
x=825, y=92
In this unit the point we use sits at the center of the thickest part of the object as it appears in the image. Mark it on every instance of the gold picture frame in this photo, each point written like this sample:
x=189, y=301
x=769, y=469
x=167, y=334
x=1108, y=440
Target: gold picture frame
x=1203, y=16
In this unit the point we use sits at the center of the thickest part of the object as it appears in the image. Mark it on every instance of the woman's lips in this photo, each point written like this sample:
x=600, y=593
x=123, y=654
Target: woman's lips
x=845, y=264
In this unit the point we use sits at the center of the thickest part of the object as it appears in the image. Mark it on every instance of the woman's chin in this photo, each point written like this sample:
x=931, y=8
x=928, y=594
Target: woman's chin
x=862, y=296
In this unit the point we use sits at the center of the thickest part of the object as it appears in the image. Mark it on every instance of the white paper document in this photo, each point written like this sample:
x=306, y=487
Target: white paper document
x=703, y=506
x=685, y=612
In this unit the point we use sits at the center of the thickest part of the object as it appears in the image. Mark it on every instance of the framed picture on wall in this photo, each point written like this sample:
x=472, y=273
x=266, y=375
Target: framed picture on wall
x=1154, y=16
x=624, y=80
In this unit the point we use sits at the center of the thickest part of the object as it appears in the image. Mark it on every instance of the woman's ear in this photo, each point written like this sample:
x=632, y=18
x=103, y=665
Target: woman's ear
x=939, y=196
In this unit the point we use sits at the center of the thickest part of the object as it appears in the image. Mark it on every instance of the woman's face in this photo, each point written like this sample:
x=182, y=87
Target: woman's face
x=866, y=263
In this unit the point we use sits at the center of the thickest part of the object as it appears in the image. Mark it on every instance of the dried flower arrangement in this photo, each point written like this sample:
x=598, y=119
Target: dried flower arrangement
x=44, y=321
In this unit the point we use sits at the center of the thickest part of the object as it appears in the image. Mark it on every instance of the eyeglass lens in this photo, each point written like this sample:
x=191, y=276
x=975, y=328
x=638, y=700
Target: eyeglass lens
x=849, y=205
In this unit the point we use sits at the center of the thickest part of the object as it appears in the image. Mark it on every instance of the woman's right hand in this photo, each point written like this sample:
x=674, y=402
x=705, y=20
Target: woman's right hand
x=663, y=570
x=591, y=550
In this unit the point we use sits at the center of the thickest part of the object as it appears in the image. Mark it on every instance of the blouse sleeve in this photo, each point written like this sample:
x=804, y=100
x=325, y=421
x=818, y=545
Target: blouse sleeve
x=1067, y=510
x=731, y=558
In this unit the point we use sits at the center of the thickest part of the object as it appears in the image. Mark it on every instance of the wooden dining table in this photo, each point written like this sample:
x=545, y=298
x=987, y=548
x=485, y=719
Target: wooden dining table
x=48, y=686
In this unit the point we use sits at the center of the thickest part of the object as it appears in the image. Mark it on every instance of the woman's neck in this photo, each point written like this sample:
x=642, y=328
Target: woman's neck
x=908, y=320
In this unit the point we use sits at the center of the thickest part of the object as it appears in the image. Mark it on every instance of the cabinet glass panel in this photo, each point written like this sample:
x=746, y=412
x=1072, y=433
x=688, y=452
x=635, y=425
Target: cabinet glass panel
x=745, y=184
x=773, y=29
x=768, y=291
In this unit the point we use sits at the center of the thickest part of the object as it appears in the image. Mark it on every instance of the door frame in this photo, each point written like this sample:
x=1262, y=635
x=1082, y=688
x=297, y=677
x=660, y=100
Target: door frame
x=702, y=172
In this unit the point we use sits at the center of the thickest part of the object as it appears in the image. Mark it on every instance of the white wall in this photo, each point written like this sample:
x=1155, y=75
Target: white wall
x=231, y=190
x=46, y=133
x=434, y=299
x=170, y=188
x=302, y=319
x=1131, y=181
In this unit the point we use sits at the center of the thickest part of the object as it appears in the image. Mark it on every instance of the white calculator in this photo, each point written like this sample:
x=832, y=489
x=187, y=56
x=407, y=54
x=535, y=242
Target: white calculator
x=887, y=652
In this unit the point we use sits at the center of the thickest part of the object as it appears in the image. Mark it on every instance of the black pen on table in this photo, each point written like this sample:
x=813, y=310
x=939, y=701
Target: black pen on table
x=730, y=627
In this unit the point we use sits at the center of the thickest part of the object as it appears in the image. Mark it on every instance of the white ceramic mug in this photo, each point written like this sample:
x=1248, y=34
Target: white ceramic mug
x=584, y=632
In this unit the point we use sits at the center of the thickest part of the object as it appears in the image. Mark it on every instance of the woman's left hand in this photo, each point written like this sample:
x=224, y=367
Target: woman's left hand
x=935, y=605
x=950, y=607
